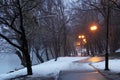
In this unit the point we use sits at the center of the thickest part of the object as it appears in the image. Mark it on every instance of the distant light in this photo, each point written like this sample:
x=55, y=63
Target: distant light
x=78, y=43
x=84, y=40
x=81, y=36
x=93, y=28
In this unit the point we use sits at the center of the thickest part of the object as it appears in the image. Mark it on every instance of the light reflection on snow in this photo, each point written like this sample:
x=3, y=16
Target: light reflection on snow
x=95, y=59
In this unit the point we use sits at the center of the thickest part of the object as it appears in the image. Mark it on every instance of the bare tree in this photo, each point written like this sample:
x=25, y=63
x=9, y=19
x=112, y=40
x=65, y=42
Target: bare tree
x=12, y=17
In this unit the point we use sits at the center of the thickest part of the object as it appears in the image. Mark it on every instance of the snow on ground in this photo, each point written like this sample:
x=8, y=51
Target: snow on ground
x=9, y=62
x=118, y=50
x=113, y=65
x=50, y=68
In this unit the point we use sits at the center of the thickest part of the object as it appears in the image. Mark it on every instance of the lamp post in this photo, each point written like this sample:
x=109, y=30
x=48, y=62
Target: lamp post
x=107, y=38
x=83, y=41
x=93, y=29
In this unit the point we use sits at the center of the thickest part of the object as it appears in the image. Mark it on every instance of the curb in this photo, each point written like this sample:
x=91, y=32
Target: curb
x=100, y=72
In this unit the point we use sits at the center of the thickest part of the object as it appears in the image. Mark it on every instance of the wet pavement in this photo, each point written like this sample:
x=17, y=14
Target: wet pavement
x=83, y=74
x=92, y=60
x=72, y=75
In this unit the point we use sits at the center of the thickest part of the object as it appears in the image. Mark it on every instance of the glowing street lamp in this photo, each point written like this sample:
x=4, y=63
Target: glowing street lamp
x=84, y=40
x=81, y=36
x=93, y=28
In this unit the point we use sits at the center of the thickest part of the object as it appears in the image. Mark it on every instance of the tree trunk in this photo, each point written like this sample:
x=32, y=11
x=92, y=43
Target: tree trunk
x=24, y=46
x=39, y=57
x=28, y=61
x=47, y=55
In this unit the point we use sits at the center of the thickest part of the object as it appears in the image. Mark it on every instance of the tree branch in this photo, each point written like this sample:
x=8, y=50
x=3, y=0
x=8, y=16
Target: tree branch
x=9, y=25
x=97, y=8
x=115, y=4
x=2, y=20
x=10, y=42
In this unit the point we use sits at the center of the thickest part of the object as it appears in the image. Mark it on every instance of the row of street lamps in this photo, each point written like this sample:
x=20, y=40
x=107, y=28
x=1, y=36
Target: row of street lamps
x=93, y=28
x=83, y=39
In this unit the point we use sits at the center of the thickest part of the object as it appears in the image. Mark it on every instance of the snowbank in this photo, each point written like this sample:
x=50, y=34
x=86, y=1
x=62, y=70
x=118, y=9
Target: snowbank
x=52, y=68
x=113, y=65
x=118, y=50
x=48, y=69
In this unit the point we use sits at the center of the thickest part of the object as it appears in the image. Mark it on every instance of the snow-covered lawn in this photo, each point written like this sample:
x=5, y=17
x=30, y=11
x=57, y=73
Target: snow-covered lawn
x=114, y=65
x=50, y=68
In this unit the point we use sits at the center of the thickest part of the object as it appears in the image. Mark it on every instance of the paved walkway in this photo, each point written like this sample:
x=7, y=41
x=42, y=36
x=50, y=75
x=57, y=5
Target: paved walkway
x=72, y=75
x=83, y=74
x=92, y=60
